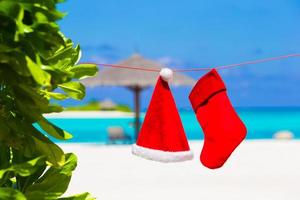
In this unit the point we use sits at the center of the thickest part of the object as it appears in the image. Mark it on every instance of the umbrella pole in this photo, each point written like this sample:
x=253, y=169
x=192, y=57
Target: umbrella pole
x=137, y=92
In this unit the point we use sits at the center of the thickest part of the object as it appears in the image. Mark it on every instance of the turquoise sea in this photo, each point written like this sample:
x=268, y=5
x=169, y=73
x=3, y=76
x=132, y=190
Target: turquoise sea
x=261, y=123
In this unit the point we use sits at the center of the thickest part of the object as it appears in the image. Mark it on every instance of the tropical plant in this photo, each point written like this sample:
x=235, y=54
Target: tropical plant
x=37, y=64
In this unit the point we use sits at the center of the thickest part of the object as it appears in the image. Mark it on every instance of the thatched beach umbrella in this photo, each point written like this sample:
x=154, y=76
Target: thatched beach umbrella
x=135, y=80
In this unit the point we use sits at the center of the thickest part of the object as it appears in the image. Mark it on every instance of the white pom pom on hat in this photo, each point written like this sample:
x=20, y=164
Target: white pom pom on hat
x=166, y=74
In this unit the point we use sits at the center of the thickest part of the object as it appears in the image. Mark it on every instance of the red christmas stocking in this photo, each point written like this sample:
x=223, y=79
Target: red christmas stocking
x=222, y=127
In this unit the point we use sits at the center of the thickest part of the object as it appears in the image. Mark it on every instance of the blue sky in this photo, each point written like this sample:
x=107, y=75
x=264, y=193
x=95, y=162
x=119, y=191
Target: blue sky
x=195, y=33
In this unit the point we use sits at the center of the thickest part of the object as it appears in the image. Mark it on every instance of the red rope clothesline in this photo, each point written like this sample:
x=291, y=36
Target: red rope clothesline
x=201, y=68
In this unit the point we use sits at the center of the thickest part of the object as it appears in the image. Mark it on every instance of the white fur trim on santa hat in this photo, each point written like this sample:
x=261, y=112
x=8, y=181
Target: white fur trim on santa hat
x=166, y=74
x=162, y=156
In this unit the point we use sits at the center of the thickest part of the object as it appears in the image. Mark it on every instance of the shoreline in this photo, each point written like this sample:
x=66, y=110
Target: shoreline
x=90, y=114
x=191, y=142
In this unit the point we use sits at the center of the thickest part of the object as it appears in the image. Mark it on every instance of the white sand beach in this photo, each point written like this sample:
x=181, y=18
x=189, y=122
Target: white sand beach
x=258, y=170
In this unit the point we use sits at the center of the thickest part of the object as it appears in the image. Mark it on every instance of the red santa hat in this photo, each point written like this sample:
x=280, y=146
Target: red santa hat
x=162, y=137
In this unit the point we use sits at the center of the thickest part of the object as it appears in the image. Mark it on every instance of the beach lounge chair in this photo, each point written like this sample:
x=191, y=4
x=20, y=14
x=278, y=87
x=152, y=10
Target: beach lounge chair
x=116, y=134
